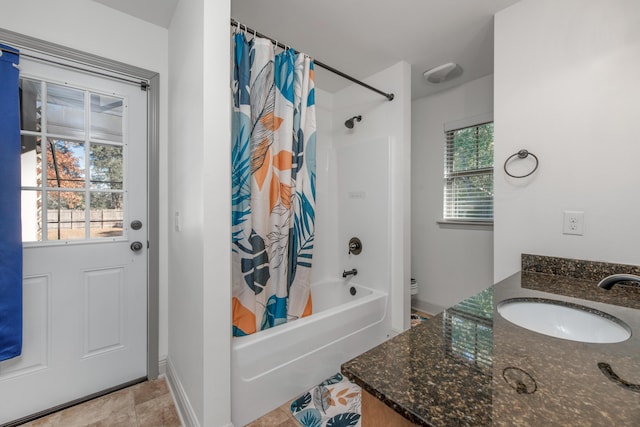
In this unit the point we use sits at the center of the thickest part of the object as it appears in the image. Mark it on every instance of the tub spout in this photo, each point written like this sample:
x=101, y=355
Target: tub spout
x=609, y=281
x=352, y=272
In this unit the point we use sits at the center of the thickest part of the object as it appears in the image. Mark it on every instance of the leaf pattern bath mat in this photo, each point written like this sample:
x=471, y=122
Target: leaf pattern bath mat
x=333, y=403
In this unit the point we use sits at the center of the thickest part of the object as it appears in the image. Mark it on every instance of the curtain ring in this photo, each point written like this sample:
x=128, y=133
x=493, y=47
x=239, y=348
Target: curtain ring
x=522, y=154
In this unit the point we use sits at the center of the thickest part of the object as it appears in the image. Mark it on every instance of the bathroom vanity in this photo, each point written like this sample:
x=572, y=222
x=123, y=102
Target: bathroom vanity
x=470, y=366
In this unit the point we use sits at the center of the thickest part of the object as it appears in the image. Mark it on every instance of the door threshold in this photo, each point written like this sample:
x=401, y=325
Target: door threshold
x=75, y=402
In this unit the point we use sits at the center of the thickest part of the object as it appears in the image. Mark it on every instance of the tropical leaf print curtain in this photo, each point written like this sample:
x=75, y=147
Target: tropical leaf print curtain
x=274, y=175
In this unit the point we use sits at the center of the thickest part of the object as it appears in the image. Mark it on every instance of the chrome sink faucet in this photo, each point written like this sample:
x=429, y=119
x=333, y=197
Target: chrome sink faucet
x=608, y=282
x=348, y=273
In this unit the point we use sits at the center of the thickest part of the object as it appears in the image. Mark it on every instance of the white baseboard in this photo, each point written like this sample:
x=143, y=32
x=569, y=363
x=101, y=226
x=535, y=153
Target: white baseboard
x=188, y=417
x=162, y=367
x=185, y=410
x=426, y=307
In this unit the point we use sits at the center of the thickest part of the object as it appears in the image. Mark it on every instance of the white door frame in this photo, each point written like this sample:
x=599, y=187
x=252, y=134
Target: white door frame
x=149, y=81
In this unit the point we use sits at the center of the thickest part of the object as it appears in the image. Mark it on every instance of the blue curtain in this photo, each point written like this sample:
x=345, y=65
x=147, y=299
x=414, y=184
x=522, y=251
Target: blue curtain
x=10, y=228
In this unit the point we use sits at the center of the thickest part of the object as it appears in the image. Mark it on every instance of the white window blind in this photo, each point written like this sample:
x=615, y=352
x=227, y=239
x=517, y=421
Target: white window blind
x=468, y=174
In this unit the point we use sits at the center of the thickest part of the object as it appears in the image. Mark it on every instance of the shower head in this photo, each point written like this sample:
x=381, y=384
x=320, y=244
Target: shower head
x=349, y=123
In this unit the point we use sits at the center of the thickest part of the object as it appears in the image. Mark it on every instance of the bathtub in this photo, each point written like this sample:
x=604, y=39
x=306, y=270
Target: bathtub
x=273, y=366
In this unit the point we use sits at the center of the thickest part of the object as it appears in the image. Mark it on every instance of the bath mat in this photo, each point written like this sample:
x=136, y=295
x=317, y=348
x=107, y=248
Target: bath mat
x=333, y=403
x=417, y=317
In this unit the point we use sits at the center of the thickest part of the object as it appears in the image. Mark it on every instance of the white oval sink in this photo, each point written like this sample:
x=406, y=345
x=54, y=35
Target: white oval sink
x=564, y=320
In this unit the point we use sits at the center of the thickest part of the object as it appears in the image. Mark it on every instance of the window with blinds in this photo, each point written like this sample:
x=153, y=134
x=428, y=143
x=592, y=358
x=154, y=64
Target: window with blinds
x=468, y=174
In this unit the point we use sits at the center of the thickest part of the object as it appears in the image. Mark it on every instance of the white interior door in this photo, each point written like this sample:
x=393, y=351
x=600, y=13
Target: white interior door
x=84, y=176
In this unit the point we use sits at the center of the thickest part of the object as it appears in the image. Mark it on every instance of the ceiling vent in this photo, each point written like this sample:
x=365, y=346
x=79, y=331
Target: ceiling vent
x=443, y=73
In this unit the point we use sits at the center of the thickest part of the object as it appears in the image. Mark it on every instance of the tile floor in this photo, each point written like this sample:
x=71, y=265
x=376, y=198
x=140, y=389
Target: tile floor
x=279, y=417
x=148, y=404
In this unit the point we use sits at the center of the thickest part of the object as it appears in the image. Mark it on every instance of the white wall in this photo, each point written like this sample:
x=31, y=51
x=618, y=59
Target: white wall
x=450, y=263
x=567, y=89
x=383, y=118
x=97, y=29
x=217, y=214
x=200, y=186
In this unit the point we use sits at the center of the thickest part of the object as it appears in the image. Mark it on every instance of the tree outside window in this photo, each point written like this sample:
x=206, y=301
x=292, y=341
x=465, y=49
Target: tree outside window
x=468, y=192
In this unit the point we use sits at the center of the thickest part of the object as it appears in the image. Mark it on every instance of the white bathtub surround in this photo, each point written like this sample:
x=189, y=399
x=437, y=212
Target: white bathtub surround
x=363, y=169
x=276, y=365
x=390, y=120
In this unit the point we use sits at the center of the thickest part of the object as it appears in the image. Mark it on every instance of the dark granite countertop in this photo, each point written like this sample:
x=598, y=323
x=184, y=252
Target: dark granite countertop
x=470, y=367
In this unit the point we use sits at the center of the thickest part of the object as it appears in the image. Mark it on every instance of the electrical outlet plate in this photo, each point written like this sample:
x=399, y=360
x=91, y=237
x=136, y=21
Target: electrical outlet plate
x=573, y=223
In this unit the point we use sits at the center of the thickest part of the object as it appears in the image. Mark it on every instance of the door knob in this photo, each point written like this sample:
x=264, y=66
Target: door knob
x=136, y=246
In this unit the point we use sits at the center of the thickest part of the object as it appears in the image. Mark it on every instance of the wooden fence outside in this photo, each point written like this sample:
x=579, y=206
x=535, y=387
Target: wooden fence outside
x=99, y=218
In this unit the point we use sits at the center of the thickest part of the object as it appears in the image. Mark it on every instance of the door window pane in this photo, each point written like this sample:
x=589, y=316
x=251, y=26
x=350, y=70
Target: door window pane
x=65, y=163
x=65, y=215
x=30, y=211
x=106, y=117
x=65, y=111
x=106, y=166
x=106, y=214
x=31, y=161
x=30, y=105
x=472, y=148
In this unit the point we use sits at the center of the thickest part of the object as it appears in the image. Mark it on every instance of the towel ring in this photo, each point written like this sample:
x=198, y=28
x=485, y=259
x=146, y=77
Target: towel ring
x=522, y=154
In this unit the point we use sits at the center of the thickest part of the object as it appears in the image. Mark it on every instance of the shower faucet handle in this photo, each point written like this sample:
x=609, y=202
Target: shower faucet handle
x=355, y=246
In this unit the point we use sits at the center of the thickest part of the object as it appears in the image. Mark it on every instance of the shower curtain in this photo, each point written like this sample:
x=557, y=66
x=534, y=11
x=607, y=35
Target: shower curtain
x=10, y=230
x=274, y=175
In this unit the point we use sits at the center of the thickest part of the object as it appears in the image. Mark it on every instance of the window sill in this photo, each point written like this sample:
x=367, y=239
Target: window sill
x=465, y=225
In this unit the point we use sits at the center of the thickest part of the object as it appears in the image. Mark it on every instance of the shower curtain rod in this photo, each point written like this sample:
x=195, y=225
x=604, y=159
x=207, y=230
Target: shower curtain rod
x=389, y=96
